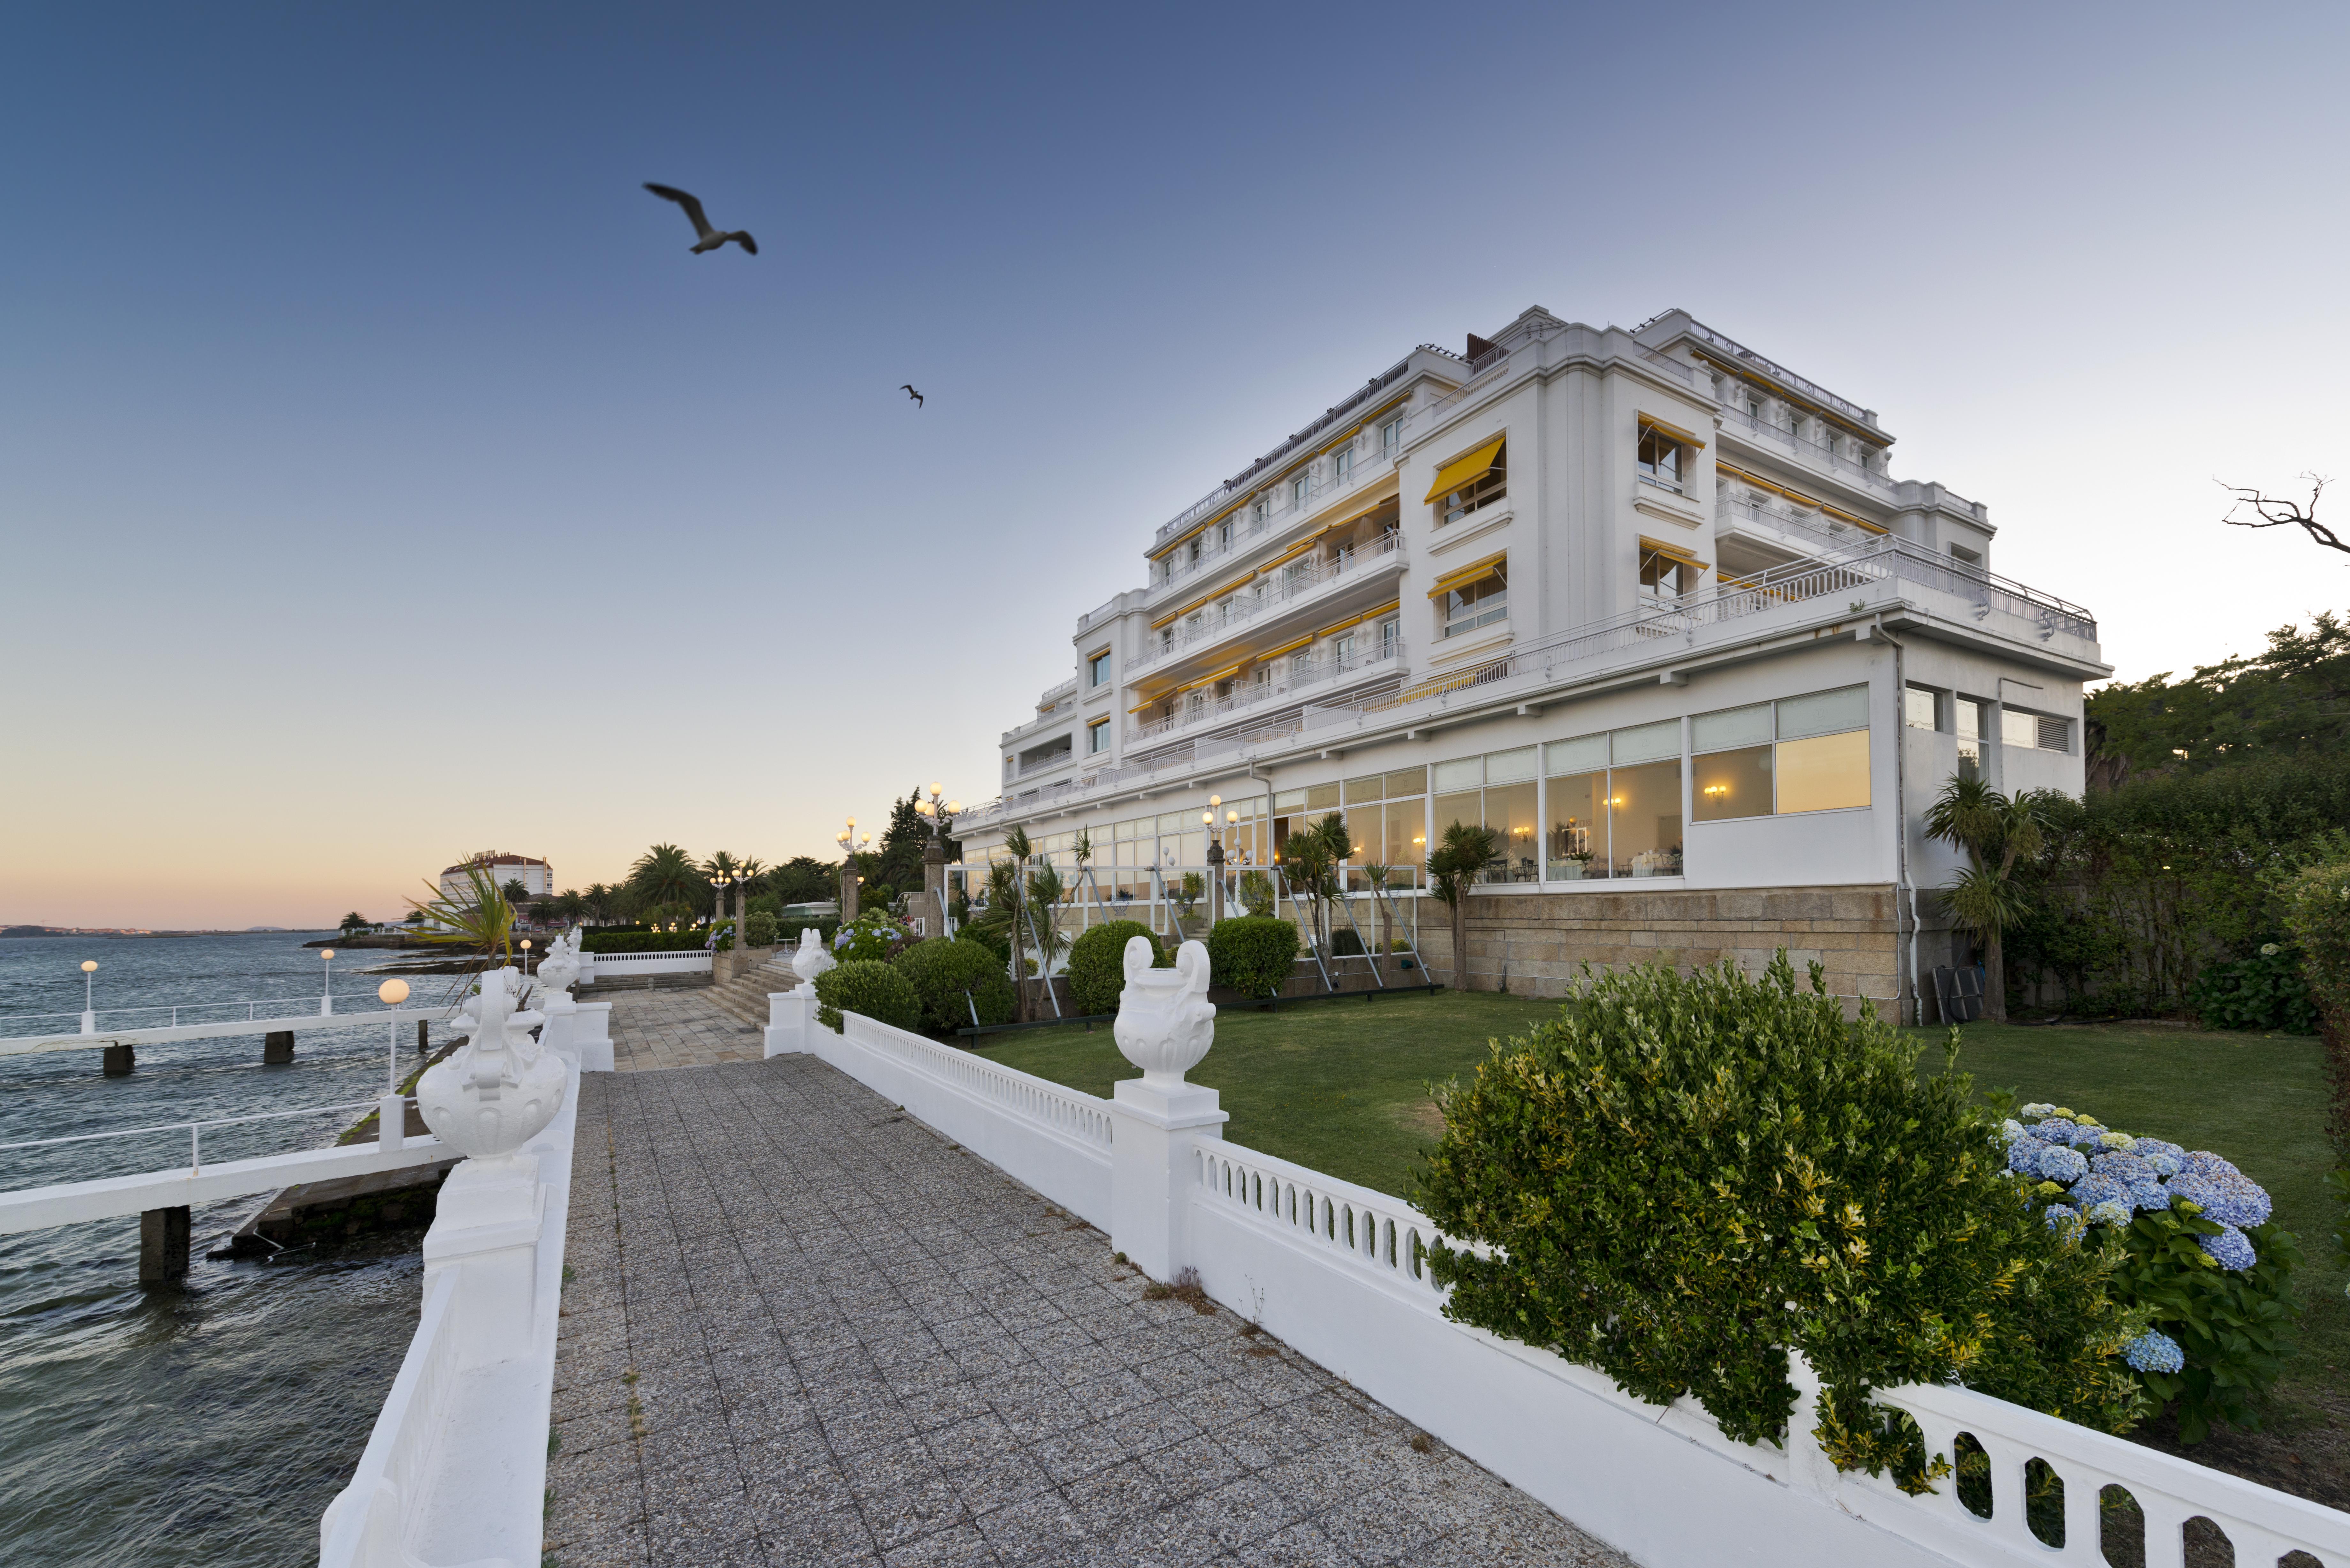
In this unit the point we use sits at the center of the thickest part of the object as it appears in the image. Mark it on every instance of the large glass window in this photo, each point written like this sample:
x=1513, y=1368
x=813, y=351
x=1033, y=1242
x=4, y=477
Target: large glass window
x=1664, y=578
x=1299, y=488
x=1474, y=603
x=1497, y=791
x=1801, y=753
x=1920, y=708
x=1342, y=466
x=1392, y=438
x=1098, y=668
x=1660, y=458
x=1644, y=819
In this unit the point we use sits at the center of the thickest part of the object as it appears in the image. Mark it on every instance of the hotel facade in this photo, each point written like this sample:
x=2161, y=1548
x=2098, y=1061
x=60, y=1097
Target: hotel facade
x=1651, y=606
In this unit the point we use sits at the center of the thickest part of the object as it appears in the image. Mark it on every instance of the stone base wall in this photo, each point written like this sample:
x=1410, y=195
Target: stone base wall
x=1541, y=940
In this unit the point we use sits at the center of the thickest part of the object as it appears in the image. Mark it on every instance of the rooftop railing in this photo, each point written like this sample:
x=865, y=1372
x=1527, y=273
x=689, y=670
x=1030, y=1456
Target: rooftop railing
x=1736, y=350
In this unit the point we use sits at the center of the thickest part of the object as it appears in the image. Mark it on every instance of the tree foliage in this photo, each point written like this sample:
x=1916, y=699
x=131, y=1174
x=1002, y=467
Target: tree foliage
x=1682, y=1178
x=961, y=984
x=1251, y=954
x=2291, y=701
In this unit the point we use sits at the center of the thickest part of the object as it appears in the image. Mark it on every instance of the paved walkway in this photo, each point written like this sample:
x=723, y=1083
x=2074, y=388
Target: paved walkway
x=803, y=1329
x=677, y=1029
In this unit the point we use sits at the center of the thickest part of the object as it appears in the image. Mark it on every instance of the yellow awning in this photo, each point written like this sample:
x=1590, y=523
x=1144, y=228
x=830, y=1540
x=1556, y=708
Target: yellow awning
x=1234, y=587
x=1463, y=470
x=1679, y=434
x=1154, y=702
x=1337, y=441
x=1841, y=515
x=1382, y=609
x=1468, y=574
x=1219, y=675
x=1670, y=552
x=1797, y=496
x=1197, y=529
x=1285, y=647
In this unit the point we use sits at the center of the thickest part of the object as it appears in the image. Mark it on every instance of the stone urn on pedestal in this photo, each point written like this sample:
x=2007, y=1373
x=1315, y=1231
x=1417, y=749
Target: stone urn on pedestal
x=1165, y=1026
x=810, y=960
x=485, y=1101
x=558, y=972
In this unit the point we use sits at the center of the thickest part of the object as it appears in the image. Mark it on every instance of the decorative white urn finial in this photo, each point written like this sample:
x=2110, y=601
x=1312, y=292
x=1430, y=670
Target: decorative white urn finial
x=498, y=1090
x=558, y=972
x=811, y=959
x=1165, y=1021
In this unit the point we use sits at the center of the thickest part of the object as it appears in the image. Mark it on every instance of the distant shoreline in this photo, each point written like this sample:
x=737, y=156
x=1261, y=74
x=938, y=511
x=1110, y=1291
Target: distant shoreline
x=30, y=932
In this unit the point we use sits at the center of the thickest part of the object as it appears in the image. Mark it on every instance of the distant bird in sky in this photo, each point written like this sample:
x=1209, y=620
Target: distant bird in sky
x=911, y=393
x=709, y=239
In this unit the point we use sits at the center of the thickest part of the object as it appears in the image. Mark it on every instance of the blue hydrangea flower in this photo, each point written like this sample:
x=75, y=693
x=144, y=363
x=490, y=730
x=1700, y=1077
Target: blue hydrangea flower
x=2119, y=1140
x=2153, y=1351
x=2112, y=1211
x=2092, y=1190
x=2128, y=1168
x=2038, y=1108
x=2058, y=1216
x=2153, y=1148
x=2149, y=1195
x=2230, y=1249
x=2203, y=1162
x=2023, y=1156
x=2232, y=1199
x=2065, y=1165
x=2010, y=1129
x=2165, y=1165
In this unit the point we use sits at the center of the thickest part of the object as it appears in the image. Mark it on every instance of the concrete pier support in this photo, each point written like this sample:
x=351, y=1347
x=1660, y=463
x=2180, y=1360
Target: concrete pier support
x=162, y=1245
x=116, y=1061
x=424, y=1037
x=277, y=1048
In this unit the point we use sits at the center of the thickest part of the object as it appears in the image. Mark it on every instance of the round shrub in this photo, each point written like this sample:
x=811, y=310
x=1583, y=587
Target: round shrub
x=1096, y=974
x=875, y=990
x=1683, y=1177
x=759, y=929
x=956, y=980
x=1251, y=954
x=873, y=936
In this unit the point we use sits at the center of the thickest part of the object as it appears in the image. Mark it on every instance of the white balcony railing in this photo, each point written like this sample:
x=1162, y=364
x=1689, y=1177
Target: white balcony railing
x=1291, y=676
x=1816, y=530
x=1367, y=462
x=1290, y=584
x=1818, y=454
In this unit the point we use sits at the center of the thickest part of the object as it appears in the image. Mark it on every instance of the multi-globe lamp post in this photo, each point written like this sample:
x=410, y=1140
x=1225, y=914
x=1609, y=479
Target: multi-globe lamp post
x=1216, y=854
x=851, y=846
x=940, y=813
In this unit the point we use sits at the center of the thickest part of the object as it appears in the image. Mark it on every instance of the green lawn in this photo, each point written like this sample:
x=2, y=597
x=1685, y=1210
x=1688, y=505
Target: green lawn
x=1342, y=1086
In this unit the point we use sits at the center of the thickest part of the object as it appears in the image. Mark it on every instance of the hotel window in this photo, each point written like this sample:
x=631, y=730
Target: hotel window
x=1342, y=464
x=1386, y=817
x=1798, y=754
x=1472, y=598
x=1262, y=679
x=1098, y=737
x=1299, y=489
x=1257, y=510
x=1967, y=719
x=1166, y=638
x=1191, y=554
x=1097, y=669
x=2034, y=732
x=1663, y=449
x=1497, y=790
x=1301, y=665
x=1343, y=649
x=1392, y=438
x=1390, y=637
x=1471, y=482
x=1667, y=574
x=1615, y=803
x=1753, y=408
x=1921, y=708
x=1195, y=701
x=1224, y=535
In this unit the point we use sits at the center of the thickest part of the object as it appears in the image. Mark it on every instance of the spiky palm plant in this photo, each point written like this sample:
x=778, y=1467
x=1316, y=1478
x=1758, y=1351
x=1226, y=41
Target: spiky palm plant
x=1996, y=832
x=478, y=915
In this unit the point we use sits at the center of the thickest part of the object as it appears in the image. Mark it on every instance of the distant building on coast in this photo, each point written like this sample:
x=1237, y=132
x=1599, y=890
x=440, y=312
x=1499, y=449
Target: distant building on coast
x=537, y=879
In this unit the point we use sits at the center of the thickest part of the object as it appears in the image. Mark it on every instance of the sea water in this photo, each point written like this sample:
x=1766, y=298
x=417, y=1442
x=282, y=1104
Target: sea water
x=210, y=1423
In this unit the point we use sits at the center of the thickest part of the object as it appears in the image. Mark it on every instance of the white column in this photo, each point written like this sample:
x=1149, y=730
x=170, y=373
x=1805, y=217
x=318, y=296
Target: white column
x=1153, y=1164
x=791, y=1015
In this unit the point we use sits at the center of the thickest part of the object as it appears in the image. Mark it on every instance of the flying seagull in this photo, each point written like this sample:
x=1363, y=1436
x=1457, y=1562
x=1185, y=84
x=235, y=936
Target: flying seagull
x=709, y=239
x=913, y=394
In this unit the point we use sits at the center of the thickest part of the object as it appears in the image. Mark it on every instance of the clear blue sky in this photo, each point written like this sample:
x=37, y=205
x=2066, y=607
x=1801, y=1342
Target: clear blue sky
x=345, y=366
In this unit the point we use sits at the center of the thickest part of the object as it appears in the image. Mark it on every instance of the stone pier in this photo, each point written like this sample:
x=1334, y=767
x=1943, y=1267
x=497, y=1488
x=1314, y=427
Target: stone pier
x=162, y=1245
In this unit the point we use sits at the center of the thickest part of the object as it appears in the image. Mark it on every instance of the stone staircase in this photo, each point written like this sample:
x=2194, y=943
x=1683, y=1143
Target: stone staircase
x=744, y=997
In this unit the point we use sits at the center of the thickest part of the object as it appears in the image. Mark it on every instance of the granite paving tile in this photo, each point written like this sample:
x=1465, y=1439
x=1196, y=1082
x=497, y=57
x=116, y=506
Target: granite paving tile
x=856, y=1344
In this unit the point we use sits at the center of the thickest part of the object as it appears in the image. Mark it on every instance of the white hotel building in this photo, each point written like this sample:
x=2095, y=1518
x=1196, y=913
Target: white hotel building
x=1650, y=605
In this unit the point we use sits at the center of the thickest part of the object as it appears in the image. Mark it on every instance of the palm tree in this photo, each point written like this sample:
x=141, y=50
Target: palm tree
x=1310, y=860
x=354, y=921
x=1461, y=855
x=1983, y=899
x=476, y=916
x=1045, y=891
x=598, y=901
x=516, y=887
x=1007, y=897
x=665, y=875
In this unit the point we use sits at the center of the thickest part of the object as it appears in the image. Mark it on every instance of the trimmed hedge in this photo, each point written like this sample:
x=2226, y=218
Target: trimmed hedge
x=692, y=942
x=1683, y=1177
x=954, y=980
x=1097, y=972
x=759, y=929
x=873, y=989
x=1251, y=954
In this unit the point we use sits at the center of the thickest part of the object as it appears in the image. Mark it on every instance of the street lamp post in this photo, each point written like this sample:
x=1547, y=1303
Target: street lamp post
x=327, y=997
x=1215, y=859
x=940, y=813
x=391, y=1111
x=850, y=847
x=89, y=1008
x=525, y=958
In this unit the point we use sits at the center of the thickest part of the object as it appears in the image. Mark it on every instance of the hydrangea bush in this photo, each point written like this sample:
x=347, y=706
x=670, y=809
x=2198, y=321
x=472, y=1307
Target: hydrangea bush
x=2197, y=1253
x=876, y=936
x=1682, y=1178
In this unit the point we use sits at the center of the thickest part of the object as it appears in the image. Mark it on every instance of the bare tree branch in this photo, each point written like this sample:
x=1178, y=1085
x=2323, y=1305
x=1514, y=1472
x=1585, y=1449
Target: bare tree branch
x=2276, y=512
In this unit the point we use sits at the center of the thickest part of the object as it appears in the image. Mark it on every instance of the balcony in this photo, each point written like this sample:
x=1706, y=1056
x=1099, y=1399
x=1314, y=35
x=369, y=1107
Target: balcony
x=1365, y=464
x=1793, y=530
x=1298, y=584
x=1760, y=433
x=1324, y=670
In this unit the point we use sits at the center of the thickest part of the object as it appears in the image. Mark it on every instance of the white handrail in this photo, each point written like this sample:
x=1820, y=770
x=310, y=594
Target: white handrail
x=1064, y=1110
